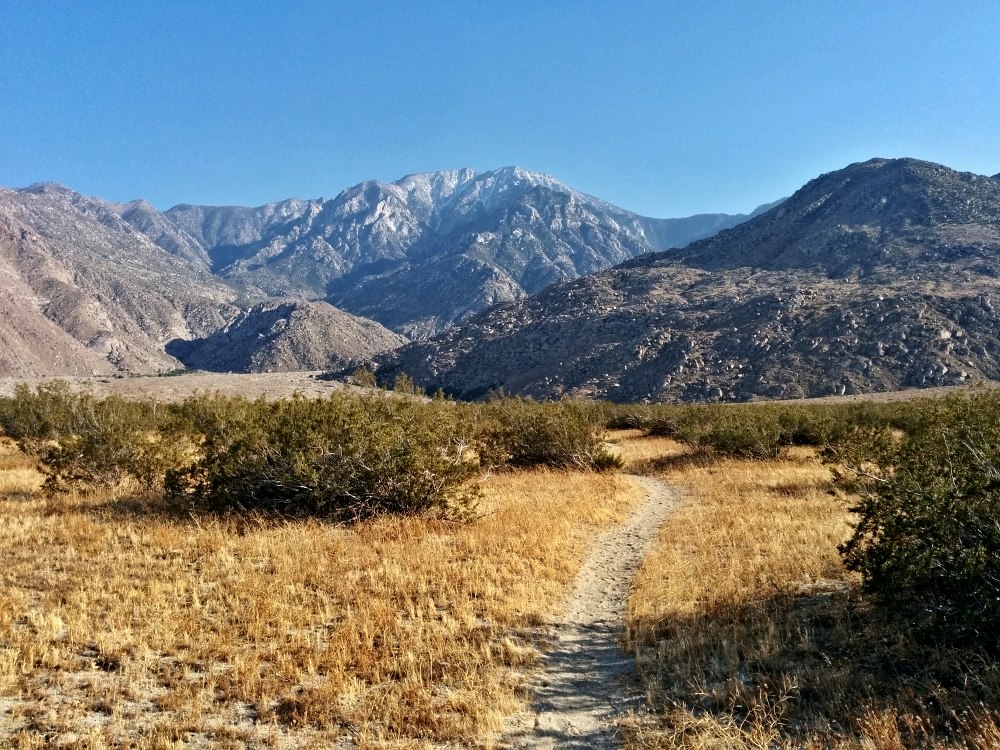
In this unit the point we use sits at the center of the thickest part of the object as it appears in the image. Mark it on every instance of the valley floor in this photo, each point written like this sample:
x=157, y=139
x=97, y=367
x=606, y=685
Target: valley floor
x=180, y=385
x=122, y=625
x=176, y=387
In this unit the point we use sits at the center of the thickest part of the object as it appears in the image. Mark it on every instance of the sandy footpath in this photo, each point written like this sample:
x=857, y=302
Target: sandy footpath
x=585, y=682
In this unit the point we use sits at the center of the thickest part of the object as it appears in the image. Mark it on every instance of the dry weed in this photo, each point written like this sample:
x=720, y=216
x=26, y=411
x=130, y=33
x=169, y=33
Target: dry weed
x=19, y=476
x=121, y=625
x=749, y=633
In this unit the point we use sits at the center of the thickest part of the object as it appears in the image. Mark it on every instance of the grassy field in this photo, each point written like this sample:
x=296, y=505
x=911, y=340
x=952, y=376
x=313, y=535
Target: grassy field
x=124, y=624
x=121, y=625
x=749, y=633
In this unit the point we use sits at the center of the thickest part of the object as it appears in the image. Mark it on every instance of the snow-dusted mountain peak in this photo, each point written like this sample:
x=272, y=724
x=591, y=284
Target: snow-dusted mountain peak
x=436, y=186
x=426, y=193
x=515, y=174
x=500, y=186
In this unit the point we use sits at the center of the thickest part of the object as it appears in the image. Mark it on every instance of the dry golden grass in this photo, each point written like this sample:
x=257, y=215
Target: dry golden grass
x=124, y=626
x=750, y=634
x=641, y=453
x=19, y=475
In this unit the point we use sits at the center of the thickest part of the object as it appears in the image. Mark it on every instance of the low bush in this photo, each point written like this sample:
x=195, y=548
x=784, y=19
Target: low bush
x=114, y=440
x=519, y=433
x=748, y=432
x=84, y=441
x=626, y=418
x=927, y=538
x=342, y=456
x=34, y=417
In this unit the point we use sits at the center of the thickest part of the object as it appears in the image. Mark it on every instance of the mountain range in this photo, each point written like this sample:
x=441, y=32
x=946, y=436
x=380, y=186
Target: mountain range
x=89, y=286
x=880, y=276
x=427, y=251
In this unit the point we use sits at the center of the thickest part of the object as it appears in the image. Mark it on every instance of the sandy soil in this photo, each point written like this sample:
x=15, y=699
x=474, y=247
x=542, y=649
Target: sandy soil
x=585, y=682
x=278, y=384
x=178, y=387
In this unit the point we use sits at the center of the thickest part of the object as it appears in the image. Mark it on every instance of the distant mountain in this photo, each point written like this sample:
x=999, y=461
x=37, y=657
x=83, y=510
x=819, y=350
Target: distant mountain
x=228, y=234
x=428, y=250
x=91, y=286
x=144, y=217
x=879, y=276
x=287, y=335
x=83, y=292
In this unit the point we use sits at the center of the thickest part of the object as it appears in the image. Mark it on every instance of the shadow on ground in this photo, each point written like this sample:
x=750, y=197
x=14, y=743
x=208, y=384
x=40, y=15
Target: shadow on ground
x=813, y=668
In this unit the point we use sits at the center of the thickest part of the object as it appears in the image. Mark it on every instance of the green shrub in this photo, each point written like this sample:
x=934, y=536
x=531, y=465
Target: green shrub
x=364, y=378
x=212, y=417
x=33, y=417
x=87, y=441
x=665, y=424
x=740, y=432
x=403, y=384
x=342, y=456
x=927, y=539
x=113, y=440
x=625, y=417
x=757, y=431
x=521, y=433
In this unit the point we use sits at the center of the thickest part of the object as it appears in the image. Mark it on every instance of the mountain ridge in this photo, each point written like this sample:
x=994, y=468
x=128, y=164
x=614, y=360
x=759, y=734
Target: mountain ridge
x=92, y=292
x=96, y=286
x=378, y=241
x=812, y=297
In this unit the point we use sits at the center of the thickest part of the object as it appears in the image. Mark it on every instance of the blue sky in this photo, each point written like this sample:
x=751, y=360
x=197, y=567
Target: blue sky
x=665, y=108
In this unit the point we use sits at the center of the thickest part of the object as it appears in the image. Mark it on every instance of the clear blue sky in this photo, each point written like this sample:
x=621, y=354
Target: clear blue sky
x=665, y=108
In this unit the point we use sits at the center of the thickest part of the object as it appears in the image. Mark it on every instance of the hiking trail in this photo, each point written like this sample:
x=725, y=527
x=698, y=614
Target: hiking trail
x=585, y=683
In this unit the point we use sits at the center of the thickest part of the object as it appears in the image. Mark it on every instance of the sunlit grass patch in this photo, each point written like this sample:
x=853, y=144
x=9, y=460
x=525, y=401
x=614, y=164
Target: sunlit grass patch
x=19, y=475
x=750, y=633
x=124, y=625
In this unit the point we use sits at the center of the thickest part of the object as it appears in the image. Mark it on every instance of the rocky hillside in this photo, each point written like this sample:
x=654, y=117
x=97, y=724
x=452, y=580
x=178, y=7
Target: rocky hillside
x=880, y=218
x=90, y=286
x=83, y=292
x=287, y=336
x=428, y=250
x=880, y=276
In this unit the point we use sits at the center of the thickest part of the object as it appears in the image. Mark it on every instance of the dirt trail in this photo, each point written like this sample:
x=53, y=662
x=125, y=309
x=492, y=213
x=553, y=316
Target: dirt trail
x=585, y=681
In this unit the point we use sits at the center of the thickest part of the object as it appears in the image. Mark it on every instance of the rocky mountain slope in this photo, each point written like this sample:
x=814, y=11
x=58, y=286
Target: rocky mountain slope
x=428, y=250
x=286, y=336
x=83, y=292
x=91, y=286
x=880, y=276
